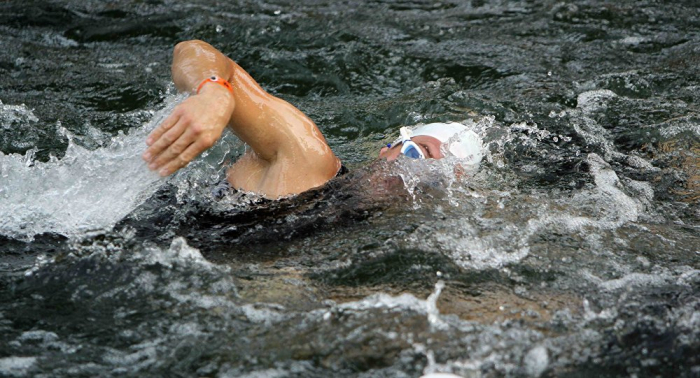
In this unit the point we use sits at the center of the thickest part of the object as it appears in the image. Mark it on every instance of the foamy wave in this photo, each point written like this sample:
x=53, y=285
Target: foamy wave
x=85, y=190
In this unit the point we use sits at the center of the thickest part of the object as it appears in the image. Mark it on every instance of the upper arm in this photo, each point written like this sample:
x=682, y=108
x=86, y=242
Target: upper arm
x=271, y=126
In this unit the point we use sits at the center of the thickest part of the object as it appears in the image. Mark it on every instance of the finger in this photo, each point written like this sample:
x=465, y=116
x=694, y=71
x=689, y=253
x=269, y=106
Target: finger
x=174, y=150
x=165, y=140
x=162, y=128
x=191, y=152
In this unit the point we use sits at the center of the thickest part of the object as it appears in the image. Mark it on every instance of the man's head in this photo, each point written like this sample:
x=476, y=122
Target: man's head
x=434, y=141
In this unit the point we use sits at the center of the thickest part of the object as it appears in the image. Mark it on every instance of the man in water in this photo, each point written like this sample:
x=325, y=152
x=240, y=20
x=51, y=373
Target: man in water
x=288, y=154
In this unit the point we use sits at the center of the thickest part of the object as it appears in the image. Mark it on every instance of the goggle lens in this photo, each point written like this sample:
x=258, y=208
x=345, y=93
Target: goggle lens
x=411, y=150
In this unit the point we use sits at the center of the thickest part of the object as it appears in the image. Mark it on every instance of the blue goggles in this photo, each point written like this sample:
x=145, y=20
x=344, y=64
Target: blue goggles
x=409, y=147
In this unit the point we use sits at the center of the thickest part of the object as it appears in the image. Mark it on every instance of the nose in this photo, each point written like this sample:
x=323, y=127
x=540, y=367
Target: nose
x=385, y=153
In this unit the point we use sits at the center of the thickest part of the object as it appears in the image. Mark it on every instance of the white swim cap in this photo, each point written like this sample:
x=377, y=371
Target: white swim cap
x=459, y=140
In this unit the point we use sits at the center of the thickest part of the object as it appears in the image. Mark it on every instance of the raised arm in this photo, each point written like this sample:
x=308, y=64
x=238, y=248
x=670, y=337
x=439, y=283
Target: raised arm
x=196, y=123
x=273, y=128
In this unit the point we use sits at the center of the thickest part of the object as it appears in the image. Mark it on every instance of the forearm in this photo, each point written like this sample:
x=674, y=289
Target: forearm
x=267, y=124
x=194, y=61
x=273, y=128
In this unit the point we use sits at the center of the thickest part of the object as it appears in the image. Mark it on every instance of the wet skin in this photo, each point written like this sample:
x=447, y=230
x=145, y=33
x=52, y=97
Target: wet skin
x=430, y=147
x=287, y=155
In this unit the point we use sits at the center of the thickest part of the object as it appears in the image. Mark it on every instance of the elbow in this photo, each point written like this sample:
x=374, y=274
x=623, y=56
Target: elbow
x=184, y=46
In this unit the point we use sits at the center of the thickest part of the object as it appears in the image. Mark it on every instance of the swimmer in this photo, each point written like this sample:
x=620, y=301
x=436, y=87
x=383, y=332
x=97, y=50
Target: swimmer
x=288, y=154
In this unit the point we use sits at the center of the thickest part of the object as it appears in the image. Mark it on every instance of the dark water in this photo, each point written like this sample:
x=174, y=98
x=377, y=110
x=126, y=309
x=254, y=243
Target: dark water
x=574, y=250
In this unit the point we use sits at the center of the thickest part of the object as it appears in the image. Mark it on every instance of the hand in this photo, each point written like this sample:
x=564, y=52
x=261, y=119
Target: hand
x=193, y=126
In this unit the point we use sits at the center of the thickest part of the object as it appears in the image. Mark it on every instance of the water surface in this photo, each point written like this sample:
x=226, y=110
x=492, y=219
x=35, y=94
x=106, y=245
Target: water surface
x=572, y=251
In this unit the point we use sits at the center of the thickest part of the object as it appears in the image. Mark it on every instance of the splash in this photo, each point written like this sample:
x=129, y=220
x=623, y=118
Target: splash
x=449, y=174
x=86, y=190
x=490, y=234
x=431, y=306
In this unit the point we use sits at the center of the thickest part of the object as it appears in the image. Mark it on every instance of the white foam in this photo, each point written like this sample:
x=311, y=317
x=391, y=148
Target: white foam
x=381, y=300
x=403, y=302
x=634, y=280
x=633, y=40
x=671, y=128
x=38, y=335
x=145, y=355
x=179, y=255
x=178, y=252
x=431, y=306
x=16, y=115
x=469, y=248
x=267, y=373
x=591, y=101
x=621, y=208
x=83, y=191
x=536, y=361
x=257, y=314
x=16, y=366
x=57, y=40
x=606, y=206
x=689, y=276
x=483, y=253
x=18, y=126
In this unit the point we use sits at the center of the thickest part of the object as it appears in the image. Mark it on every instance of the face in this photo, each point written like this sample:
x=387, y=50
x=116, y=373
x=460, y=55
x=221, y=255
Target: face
x=429, y=145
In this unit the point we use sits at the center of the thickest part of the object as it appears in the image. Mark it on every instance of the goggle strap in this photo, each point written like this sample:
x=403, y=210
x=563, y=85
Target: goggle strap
x=406, y=133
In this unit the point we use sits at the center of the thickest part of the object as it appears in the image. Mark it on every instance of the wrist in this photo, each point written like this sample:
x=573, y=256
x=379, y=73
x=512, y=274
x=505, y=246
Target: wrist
x=214, y=80
x=215, y=92
x=216, y=88
x=217, y=100
x=209, y=89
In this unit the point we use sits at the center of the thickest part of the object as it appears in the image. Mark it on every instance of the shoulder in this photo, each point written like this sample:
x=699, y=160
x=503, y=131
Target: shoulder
x=310, y=167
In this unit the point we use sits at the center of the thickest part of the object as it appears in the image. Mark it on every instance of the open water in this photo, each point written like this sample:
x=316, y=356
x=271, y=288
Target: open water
x=573, y=250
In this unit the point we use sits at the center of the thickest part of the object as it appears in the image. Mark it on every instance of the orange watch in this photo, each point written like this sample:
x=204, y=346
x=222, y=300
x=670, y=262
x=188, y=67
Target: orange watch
x=216, y=80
